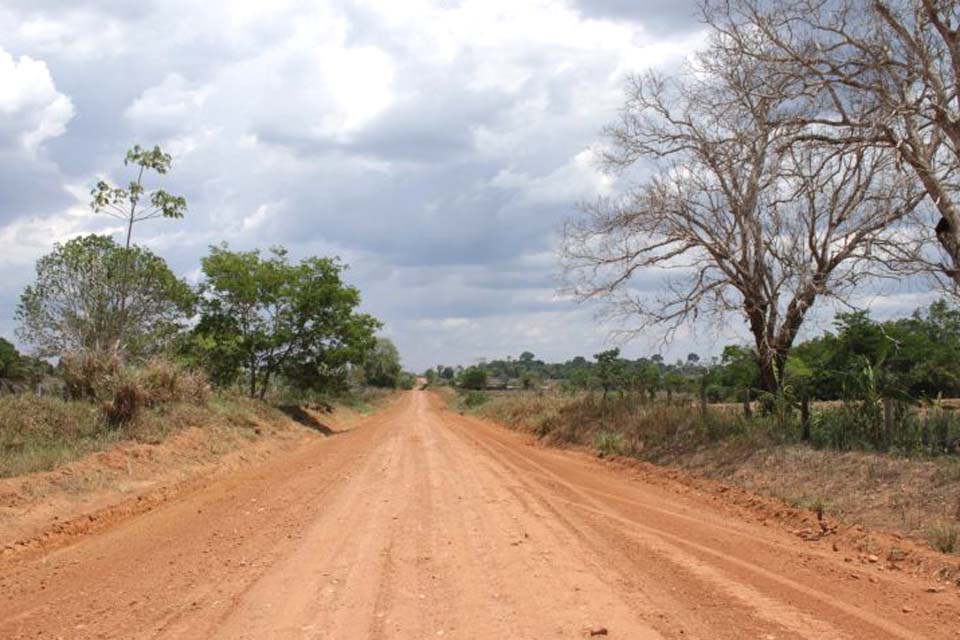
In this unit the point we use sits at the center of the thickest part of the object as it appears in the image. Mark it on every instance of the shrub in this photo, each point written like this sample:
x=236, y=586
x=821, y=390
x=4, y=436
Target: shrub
x=128, y=400
x=474, y=399
x=161, y=382
x=122, y=392
x=90, y=375
x=609, y=444
x=28, y=416
x=857, y=425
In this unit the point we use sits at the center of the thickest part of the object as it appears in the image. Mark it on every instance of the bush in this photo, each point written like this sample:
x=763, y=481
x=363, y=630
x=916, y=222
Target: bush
x=122, y=392
x=161, y=382
x=128, y=400
x=473, y=399
x=609, y=444
x=407, y=381
x=628, y=424
x=28, y=416
x=90, y=375
x=860, y=426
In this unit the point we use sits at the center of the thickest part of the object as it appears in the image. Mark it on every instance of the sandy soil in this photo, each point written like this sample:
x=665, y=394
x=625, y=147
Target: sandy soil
x=421, y=523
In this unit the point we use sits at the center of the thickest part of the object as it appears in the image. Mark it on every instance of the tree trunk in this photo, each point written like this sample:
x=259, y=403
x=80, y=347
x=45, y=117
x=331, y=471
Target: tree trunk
x=771, y=365
x=264, y=385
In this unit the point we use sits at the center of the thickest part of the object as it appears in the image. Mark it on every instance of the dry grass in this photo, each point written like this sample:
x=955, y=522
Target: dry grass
x=945, y=537
x=110, y=403
x=42, y=433
x=643, y=429
x=39, y=433
x=915, y=496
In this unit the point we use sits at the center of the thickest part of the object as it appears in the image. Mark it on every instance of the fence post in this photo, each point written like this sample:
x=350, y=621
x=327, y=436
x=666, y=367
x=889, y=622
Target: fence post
x=805, y=415
x=703, y=395
x=747, y=407
x=887, y=421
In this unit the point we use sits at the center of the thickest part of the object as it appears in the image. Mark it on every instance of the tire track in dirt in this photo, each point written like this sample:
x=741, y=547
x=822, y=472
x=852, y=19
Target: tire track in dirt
x=703, y=560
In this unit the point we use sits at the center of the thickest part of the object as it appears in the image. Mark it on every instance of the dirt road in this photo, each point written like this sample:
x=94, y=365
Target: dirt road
x=422, y=524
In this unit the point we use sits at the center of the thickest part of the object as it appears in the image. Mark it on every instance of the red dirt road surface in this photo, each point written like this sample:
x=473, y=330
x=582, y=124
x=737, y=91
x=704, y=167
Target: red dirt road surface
x=420, y=523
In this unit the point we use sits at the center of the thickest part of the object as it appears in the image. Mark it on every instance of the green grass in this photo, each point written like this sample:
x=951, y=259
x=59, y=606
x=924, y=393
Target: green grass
x=609, y=444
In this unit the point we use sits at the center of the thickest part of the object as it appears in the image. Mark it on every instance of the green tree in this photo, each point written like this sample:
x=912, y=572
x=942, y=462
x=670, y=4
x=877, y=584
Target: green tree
x=529, y=380
x=610, y=372
x=739, y=371
x=266, y=317
x=136, y=203
x=474, y=378
x=77, y=301
x=9, y=359
x=648, y=378
x=673, y=381
x=382, y=365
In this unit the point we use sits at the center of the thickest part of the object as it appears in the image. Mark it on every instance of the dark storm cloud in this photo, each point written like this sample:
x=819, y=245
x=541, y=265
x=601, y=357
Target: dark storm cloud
x=656, y=16
x=29, y=188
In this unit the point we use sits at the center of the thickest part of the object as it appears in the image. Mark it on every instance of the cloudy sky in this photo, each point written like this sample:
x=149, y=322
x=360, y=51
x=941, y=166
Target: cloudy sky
x=435, y=145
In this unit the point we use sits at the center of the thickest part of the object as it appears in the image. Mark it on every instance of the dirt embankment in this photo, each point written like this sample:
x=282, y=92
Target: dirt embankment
x=421, y=523
x=41, y=510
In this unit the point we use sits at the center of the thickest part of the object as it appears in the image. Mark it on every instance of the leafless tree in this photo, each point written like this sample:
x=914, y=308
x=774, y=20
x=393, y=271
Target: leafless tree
x=880, y=73
x=744, y=219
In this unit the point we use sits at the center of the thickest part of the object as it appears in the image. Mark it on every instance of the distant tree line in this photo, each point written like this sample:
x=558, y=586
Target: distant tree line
x=914, y=358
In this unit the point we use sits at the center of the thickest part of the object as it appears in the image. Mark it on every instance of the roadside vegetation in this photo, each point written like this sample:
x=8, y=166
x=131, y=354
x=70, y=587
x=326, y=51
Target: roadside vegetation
x=916, y=493
x=865, y=425
x=123, y=349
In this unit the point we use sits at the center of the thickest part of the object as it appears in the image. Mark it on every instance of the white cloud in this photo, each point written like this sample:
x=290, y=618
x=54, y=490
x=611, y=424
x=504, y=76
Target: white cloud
x=81, y=34
x=33, y=110
x=169, y=104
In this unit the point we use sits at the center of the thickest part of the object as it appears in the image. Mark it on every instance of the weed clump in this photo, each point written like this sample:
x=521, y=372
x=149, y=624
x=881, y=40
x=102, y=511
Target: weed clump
x=473, y=399
x=609, y=444
x=945, y=537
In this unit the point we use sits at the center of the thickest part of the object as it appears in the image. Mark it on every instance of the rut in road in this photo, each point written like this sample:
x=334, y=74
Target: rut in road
x=421, y=523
